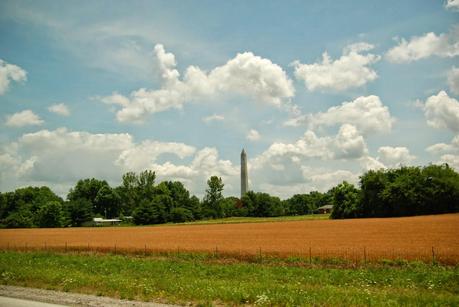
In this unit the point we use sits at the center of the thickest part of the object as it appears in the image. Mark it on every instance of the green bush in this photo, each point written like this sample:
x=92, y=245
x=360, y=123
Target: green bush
x=180, y=215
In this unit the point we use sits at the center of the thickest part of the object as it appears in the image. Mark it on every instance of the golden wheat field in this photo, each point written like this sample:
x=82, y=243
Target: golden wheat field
x=421, y=237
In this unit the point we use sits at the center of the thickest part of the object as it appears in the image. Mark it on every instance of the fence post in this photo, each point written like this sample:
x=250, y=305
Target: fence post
x=115, y=248
x=25, y=246
x=310, y=255
x=88, y=246
x=66, y=246
x=261, y=257
x=365, y=254
x=216, y=251
x=8, y=246
x=145, y=250
x=433, y=255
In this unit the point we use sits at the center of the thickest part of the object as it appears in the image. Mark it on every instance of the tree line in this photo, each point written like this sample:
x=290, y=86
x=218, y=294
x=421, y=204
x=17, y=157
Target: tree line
x=382, y=193
x=403, y=191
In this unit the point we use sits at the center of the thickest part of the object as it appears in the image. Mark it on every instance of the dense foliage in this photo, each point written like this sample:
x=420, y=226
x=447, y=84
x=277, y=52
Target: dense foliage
x=382, y=193
x=399, y=192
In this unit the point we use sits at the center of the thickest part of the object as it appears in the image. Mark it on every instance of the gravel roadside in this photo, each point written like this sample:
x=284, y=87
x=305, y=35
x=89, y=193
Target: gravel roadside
x=70, y=299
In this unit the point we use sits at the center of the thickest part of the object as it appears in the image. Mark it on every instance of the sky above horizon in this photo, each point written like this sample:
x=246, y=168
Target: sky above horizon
x=317, y=92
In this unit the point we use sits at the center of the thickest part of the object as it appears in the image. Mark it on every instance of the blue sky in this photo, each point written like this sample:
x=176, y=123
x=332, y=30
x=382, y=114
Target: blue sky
x=96, y=88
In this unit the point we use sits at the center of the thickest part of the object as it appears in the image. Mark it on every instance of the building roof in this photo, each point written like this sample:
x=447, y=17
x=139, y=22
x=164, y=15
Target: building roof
x=101, y=220
x=326, y=207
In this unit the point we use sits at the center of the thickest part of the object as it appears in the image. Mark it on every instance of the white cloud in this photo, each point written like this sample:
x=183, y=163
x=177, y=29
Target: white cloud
x=347, y=144
x=449, y=153
x=311, y=179
x=60, y=157
x=351, y=70
x=253, y=135
x=115, y=99
x=140, y=156
x=452, y=160
x=23, y=118
x=420, y=47
x=395, y=156
x=246, y=74
x=453, y=80
x=8, y=73
x=367, y=113
x=369, y=163
x=212, y=118
x=442, y=111
x=439, y=148
x=387, y=157
x=60, y=109
x=452, y=4
x=323, y=180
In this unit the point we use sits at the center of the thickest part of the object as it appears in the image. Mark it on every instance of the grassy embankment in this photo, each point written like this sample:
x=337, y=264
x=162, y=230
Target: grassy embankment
x=239, y=220
x=243, y=219
x=206, y=280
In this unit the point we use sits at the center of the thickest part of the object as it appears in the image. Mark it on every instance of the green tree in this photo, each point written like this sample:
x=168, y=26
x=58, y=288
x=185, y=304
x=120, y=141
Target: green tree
x=50, y=215
x=146, y=184
x=78, y=212
x=249, y=202
x=214, y=197
x=135, y=189
x=299, y=204
x=88, y=189
x=262, y=204
x=22, y=218
x=128, y=193
x=17, y=208
x=180, y=215
x=152, y=212
x=346, y=201
x=195, y=207
x=107, y=202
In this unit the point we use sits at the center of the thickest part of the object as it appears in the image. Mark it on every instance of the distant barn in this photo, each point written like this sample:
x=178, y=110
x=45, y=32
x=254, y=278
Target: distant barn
x=325, y=209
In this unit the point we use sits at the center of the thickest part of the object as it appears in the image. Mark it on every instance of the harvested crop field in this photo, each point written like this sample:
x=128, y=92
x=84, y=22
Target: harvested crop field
x=421, y=237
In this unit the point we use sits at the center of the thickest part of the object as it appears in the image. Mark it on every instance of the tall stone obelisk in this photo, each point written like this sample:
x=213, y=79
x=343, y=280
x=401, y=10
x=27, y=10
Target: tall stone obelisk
x=244, y=174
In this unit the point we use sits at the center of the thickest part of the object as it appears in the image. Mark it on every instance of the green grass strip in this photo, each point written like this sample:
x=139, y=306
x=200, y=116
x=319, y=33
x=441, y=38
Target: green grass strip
x=205, y=282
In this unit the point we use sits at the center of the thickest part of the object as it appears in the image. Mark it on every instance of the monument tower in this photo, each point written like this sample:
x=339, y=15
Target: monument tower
x=244, y=174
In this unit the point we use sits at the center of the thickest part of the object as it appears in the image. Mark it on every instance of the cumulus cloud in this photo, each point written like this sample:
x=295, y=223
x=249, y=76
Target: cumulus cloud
x=347, y=144
x=442, y=111
x=322, y=180
x=367, y=113
x=212, y=118
x=440, y=148
x=452, y=5
x=253, y=135
x=49, y=157
x=8, y=73
x=369, y=163
x=449, y=153
x=310, y=179
x=419, y=47
x=139, y=156
x=351, y=70
x=246, y=74
x=23, y=118
x=453, y=80
x=452, y=160
x=60, y=109
x=388, y=156
x=395, y=156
